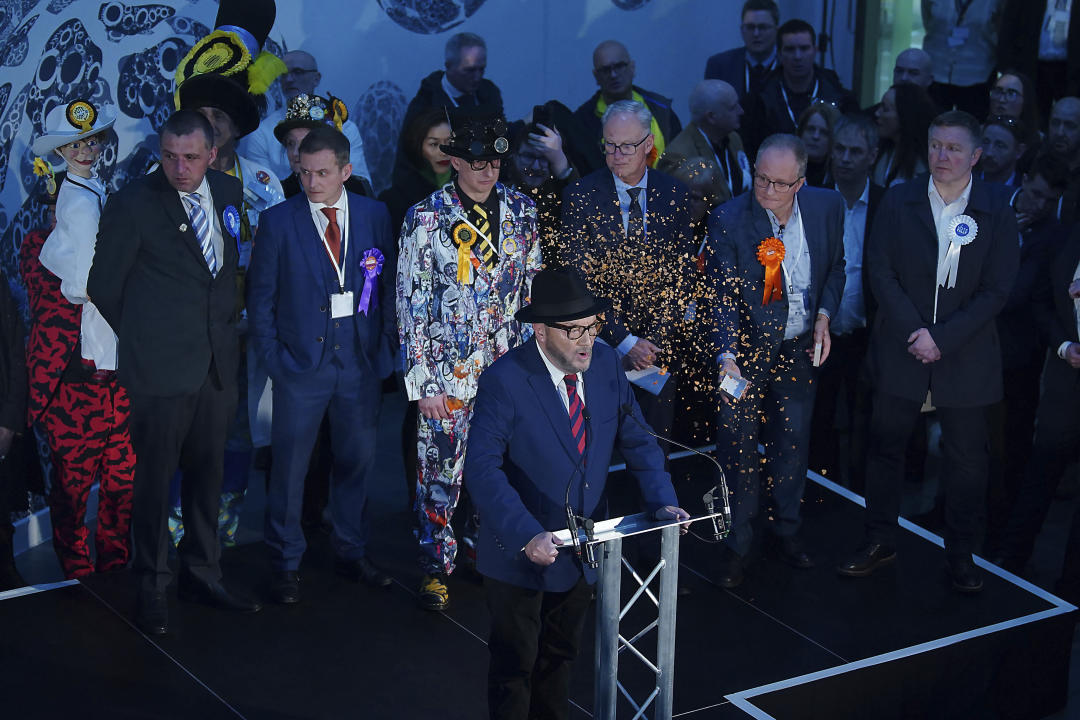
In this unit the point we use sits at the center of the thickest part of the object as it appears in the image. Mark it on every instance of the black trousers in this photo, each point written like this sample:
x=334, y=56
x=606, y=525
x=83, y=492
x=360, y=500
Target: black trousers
x=841, y=376
x=1012, y=429
x=963, y=476
x=535, y=636
x=1057, y=441
x=186, y=432
x=974, y=99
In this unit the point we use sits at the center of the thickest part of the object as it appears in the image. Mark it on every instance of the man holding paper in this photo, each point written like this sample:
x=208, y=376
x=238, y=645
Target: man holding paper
x=630, y=237
x=942, y=259
x=777, y=264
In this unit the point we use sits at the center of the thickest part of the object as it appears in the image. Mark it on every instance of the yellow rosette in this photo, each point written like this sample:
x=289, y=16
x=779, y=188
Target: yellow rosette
x=770, y=253
x=464, y=237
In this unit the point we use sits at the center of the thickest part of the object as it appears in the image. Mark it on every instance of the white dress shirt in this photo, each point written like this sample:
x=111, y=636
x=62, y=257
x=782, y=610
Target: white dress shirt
x=796, y=268
x=262, y=147
x=943, y=214
x=622, y=190
x=322, y=222
x=557, y=379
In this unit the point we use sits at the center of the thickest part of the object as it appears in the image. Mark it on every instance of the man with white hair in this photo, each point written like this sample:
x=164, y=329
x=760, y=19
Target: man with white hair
x=628, y=233
x=262, y=146
x=715, y=114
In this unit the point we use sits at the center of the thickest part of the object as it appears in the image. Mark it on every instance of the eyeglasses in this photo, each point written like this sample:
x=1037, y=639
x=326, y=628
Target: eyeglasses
x=575, y=332
x=1010, y=94
x=479, y=165
x=611, y=148
x=613, y=68
x=753, y=28
x=298, y=72
x=762, y=183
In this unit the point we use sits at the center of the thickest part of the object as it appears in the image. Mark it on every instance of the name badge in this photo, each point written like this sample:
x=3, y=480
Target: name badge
x=341, y=305
x=796, y=306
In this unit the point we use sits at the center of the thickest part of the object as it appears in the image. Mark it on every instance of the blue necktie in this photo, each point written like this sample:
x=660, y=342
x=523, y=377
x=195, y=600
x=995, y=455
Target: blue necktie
x=201, y=226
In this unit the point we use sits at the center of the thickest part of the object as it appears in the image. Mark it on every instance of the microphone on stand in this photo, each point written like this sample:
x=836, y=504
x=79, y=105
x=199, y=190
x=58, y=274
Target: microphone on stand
x=721, y=525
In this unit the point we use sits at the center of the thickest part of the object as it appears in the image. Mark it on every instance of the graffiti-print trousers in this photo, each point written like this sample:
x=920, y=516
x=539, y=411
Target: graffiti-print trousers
x=87, y=429
x=441, y=460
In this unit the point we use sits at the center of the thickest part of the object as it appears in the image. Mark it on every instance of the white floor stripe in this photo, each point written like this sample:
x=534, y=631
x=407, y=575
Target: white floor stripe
x=34, y=589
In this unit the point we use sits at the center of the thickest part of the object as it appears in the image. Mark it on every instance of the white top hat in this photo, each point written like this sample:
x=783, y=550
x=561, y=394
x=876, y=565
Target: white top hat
x=67, y=123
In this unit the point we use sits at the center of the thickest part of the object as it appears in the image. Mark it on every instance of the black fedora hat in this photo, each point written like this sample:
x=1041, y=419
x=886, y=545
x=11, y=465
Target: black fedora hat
x=478, y=135
x=558, y=296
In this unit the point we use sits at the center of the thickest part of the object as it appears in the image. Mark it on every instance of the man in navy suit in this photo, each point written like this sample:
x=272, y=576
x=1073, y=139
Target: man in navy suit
x=531, y=436
x=320, y=295
x=629, y=236
x=942, y=256
x=771, y=316
x=745, y=68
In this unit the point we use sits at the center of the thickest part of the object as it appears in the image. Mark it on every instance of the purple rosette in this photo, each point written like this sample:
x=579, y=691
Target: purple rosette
x=373, y=263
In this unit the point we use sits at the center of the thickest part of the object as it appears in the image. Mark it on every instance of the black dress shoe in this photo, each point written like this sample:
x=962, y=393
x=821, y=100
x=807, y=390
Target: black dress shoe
x=285, y=587
x=868, y=558
x=965, y=576
x=361, y=570
x=152, y=616
x=793, y=552
x=730, y=568
x=215, y=595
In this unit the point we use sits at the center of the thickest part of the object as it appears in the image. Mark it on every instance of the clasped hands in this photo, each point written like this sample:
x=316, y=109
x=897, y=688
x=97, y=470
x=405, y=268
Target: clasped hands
x=543, y=549
x=921, y=344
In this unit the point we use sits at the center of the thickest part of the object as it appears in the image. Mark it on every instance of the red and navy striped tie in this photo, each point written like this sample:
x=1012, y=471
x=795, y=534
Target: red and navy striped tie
x=577, y=414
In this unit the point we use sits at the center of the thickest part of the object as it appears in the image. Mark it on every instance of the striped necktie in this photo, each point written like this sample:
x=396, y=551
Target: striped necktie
x=485, y=248
x=577, y=412
x=201, y=226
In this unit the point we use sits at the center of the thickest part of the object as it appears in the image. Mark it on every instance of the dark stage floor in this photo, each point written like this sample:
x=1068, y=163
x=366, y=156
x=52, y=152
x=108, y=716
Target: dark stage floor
x=787, y=643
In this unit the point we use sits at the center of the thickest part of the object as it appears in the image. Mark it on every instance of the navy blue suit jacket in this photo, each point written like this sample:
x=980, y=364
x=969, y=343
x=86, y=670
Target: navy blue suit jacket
x=744, y=326
x=290, y=281
x=521, y=455
x=729, y=66
x=902, y=256
x=592, y=222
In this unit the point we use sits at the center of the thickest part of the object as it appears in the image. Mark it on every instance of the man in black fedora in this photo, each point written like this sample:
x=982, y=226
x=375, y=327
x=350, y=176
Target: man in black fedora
x=531, y=435
x=468, y=255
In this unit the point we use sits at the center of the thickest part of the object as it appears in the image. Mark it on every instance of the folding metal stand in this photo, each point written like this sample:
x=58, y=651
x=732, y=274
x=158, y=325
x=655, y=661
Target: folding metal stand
x=607, y=541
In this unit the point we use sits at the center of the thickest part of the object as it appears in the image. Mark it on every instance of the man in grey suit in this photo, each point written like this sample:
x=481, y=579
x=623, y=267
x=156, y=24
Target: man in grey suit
x=777, y=263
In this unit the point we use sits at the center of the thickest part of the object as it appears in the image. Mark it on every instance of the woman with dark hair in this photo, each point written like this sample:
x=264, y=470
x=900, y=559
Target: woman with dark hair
x=425, y=169
x=903, y=119
x=816, y=131
x=1013, y=95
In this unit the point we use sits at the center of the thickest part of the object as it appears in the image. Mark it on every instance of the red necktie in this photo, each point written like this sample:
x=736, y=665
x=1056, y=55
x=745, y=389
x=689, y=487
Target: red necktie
x=577, y=412
x=333, y=233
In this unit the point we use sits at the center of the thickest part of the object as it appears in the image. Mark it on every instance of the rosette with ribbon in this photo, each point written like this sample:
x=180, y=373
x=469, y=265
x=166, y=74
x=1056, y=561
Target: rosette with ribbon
x=960, y=231
x=230, y=218
x=372, y=263
x=770, y=253
x=464, y=237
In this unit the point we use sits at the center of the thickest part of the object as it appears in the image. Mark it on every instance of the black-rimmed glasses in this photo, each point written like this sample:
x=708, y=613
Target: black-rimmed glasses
x=611, y=148
x=574, y=332
x=761, y=183
x=480, y=165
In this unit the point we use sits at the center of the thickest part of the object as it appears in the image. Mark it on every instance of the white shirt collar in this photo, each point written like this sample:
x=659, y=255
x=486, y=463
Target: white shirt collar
x=341, y=204
x=448, y=86
x=933, y=193
x=864, y=198
x=556, y=374
x=622, y=186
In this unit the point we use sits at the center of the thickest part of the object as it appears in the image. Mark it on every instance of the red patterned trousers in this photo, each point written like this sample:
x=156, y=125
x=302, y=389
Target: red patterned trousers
x=87, y=429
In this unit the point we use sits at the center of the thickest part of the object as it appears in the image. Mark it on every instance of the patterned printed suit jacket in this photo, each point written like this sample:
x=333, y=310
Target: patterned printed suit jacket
x=451, y=331
x=54, y=326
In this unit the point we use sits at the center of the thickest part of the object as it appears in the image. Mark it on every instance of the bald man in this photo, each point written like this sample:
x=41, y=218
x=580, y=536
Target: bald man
x=613, y=69
x=262, y=147
x=715, y=115
x=913, y=67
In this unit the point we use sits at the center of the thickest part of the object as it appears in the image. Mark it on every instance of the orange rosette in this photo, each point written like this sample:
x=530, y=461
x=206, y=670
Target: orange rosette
x=770, y=253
